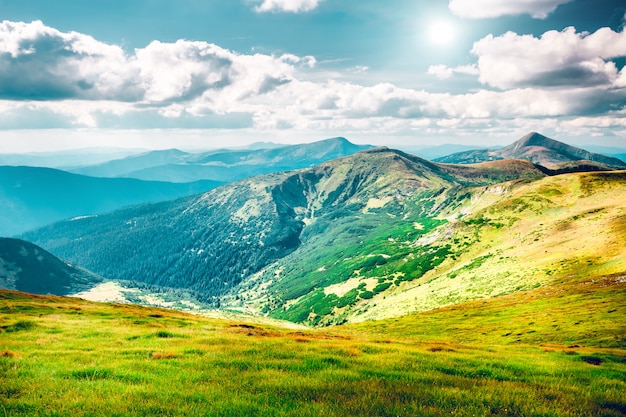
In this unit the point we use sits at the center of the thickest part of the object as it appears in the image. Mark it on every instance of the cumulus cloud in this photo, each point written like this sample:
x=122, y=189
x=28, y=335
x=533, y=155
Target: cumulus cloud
x=444, y=72
x=556, y=59
x=292, y=6
x=40, y=63
x=58, y=80
x=480, y=9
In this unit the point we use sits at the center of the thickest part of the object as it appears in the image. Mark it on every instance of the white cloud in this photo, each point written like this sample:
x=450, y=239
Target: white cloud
x=293, y=6
x=444, y=72
x=556, y=59
x=185, y=84
x=480, y=9
x=360, y=69
x=39, y=62
x=183, y=70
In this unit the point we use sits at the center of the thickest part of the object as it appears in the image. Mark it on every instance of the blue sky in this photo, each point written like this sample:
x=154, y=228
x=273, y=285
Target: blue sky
x=209, y=73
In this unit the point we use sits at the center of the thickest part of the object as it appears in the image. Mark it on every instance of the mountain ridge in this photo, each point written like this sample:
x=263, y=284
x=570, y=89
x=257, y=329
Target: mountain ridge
x=355, y=237
x=33, y=197
x=224, y=165
x=538, y=149
x=199, y=242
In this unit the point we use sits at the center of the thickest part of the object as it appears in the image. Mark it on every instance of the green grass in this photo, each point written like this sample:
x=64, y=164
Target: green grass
x=434, y=249
x=515, y=239
x=88, y=359
x=377, y=244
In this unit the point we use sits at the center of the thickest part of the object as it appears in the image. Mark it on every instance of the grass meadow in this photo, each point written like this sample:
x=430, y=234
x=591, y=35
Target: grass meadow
x=69, y=357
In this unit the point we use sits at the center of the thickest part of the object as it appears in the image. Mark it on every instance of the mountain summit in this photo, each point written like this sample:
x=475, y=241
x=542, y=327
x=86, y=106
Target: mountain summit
x=539, y=150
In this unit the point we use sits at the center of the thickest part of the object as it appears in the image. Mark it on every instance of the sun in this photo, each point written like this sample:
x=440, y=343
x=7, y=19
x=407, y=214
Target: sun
x=441, y=32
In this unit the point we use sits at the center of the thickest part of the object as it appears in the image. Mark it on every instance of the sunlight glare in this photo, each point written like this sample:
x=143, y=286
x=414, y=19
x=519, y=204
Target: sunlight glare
x=441, y=32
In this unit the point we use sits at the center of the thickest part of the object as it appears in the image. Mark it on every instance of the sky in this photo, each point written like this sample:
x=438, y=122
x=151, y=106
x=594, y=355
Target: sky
x=213, y=73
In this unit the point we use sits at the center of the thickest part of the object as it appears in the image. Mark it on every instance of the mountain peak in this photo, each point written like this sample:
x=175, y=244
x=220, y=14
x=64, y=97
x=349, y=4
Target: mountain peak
x=532, y=139
x=337, y=142
x=538, y=149
x=339, y=139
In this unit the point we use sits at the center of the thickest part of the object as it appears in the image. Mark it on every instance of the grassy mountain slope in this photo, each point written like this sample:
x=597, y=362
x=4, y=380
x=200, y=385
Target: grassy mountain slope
x=377, y=234
x=213, y=242
x=538, y=149
x=224, y=165
x=33, y=197
x=584, y=311
x=519, y=237
x=553, y=352
x=465, y=244
x=27, y=267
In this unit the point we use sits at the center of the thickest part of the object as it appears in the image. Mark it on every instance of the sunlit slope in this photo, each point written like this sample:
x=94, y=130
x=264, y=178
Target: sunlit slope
x=580, y=312
x=68, y=357
x=377, y=234
x=520, y=237
x=440, y=249
x=364, y=217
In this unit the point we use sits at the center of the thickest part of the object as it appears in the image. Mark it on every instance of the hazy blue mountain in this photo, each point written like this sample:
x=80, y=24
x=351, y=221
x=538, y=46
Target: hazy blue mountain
x=537, y=149
x=263, y=145
x=224, y=165
x=73, y=158
x=32, y=197
x=29, y=268
x=433, y=152
x=605, y=150
x=123, y=167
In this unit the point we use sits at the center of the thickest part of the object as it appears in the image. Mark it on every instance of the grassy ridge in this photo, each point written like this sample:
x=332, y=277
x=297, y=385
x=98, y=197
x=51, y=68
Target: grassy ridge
x=520, y=236
x=62, y=357
x=445, y=246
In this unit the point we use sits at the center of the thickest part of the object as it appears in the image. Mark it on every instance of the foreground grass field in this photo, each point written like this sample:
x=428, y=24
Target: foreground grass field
x=554, y=351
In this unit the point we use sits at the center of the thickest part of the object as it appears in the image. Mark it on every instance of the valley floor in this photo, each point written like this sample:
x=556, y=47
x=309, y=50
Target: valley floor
x=555, y=351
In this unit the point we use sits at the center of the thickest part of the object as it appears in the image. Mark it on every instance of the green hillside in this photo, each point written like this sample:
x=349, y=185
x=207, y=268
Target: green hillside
x=374, y=235
x=215, y=242
x=557, y=351
x=27, y=267
x=436, y=250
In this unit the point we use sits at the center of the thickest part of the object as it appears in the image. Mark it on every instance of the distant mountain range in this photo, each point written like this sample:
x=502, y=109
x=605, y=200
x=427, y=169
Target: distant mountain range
x=67, y=159
x=433, y=152
x=212, y=242
x=379, y=233
x=223, y=165
x=33, y=197
x=29, y=268
x=538, y=149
